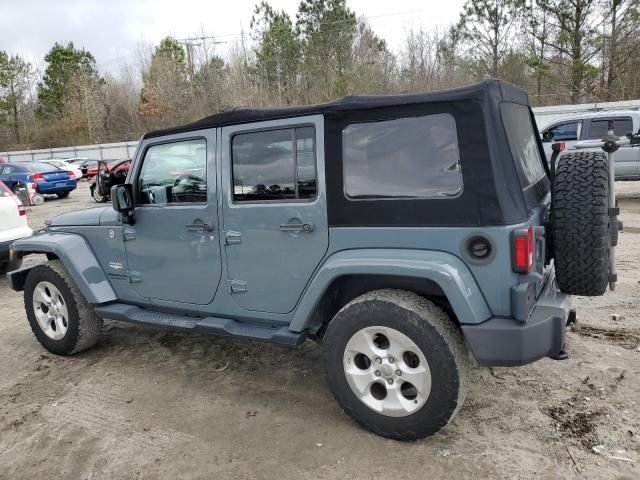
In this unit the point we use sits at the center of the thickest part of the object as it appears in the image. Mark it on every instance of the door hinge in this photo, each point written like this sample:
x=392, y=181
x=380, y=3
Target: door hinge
x=232, y=238
x=237, y=286
x=129, y=234
x=135, y=277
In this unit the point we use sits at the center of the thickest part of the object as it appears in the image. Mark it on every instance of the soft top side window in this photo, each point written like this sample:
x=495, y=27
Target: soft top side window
x=412, y=157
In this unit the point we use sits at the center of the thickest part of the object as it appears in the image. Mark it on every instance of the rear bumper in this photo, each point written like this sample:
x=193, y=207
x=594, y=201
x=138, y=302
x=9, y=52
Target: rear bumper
x=57, y=187
x=506, y=342
x=14, y=234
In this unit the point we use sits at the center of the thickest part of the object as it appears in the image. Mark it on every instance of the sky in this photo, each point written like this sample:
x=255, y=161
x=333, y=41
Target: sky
x=113, y=30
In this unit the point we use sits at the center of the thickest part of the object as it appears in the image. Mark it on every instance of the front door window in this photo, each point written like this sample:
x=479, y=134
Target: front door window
x=565, y=132
x=174, y=173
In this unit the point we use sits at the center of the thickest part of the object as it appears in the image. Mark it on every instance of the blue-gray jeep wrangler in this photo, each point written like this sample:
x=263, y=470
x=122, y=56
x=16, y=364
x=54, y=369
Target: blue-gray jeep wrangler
x=409, y=234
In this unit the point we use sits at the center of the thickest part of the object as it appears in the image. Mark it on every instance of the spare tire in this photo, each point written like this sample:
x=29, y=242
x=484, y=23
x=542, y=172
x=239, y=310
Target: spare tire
x=580, y=223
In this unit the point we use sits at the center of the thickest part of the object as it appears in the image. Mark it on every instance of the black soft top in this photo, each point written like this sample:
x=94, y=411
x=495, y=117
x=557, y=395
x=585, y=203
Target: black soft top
x=492, y=194
x=490, y=89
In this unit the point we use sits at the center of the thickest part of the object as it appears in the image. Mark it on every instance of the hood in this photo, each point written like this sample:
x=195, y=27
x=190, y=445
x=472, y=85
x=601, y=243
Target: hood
x=84, y=218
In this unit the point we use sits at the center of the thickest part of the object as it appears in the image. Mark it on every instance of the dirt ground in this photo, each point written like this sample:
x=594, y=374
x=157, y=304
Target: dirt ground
x=152, y=403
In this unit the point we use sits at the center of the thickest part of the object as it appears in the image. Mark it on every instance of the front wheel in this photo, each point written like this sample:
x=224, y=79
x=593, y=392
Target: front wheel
x=59, y=315
x=396, y=363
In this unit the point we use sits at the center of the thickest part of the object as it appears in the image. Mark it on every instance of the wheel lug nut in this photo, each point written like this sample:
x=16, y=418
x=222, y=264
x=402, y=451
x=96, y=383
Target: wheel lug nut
x=390, y=381
x=399, y=373
x=391, y=360
x=378, y=360
x=378, y=373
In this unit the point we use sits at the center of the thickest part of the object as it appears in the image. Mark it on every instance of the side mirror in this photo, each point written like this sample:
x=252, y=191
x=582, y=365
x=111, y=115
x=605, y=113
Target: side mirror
x=122, y=201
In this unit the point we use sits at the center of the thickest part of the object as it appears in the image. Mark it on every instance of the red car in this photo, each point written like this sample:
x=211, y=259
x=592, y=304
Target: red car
x=115, y=173
x=92, y=170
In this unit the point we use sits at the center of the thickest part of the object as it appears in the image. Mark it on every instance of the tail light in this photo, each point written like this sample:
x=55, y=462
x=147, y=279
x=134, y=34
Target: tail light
x=36, y=177
x=71, y=174
x=523, y=250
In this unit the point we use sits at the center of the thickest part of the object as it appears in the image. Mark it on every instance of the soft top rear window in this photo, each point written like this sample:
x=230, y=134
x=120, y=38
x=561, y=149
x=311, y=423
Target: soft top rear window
x=523, y=142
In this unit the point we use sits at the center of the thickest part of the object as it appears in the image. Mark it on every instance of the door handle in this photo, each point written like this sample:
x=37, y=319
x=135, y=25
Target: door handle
x=297, y=227
x=200, y=227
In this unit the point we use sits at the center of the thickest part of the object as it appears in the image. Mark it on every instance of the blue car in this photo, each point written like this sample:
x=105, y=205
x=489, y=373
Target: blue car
x=46, y=179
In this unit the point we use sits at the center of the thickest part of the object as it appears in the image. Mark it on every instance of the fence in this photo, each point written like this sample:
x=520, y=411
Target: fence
x=103, y=151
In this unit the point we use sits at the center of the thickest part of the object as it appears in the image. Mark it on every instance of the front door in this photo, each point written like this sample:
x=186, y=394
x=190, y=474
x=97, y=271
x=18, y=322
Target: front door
x=274, y=210
x=567, y=132
x=173, y=249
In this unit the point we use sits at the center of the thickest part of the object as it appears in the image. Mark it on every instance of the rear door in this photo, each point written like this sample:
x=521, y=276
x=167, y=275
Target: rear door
x=274, y=210
x=626, y=158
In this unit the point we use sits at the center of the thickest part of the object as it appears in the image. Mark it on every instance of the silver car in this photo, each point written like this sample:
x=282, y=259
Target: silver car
x=594, y=125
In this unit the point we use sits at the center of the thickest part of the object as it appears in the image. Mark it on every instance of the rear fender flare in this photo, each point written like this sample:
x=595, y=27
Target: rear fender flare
x=78, y=259
x=445, y=269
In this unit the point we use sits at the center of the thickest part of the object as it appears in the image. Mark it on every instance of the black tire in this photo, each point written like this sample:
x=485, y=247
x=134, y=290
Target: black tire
x=83, y=324
x=436, y=336
x=96, y=195
x=10, y=266
x=580, y=228
x=63, y=194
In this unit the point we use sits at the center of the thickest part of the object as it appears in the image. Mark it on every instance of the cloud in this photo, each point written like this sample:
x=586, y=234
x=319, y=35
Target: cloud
x=112, y=29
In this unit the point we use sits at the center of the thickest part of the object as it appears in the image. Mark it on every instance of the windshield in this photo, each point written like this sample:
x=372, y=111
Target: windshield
x=523, y=143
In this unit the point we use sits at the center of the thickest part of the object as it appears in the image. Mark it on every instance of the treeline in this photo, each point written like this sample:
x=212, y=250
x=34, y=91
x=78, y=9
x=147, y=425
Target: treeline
x=560, y=51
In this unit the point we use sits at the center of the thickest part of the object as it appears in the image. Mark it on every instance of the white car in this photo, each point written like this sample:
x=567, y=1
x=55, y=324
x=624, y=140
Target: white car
x=63, y=165
x=13, y=226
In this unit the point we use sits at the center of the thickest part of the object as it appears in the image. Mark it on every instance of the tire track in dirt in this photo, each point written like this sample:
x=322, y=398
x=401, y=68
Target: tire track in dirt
x=622, y=337
x=101, y=412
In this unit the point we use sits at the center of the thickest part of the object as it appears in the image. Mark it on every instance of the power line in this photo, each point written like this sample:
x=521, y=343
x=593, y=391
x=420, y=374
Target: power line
x=246, y=33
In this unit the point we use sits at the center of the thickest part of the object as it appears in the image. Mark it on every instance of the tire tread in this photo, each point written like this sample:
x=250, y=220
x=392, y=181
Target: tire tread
x=580, y=231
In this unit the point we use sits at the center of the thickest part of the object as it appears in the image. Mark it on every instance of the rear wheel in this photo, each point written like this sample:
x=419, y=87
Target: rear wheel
x=60, y=317
x=581, y=226
x=396, y=364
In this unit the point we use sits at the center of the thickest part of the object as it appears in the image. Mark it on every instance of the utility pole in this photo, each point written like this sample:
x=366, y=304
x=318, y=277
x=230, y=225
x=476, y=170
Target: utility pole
x=189, y=43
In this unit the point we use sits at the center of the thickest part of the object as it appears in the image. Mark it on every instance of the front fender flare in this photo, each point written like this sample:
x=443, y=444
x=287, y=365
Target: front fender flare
x=447, y=270
x=78, y=259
